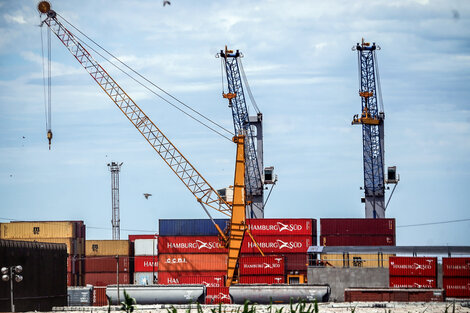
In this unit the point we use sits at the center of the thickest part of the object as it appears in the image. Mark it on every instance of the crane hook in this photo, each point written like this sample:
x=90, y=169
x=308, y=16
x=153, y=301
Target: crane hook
x=49, y=137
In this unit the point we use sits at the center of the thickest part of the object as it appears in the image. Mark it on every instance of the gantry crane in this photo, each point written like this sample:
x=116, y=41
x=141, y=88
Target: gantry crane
x=372, y=121
x=243, y=123
x=192, y=179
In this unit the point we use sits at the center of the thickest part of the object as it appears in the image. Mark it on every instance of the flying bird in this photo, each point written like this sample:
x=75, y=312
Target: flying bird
x=165, y=2
x=147, y=195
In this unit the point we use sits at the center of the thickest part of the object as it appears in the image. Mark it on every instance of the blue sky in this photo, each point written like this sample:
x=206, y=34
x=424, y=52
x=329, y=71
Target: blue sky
x=303, y=74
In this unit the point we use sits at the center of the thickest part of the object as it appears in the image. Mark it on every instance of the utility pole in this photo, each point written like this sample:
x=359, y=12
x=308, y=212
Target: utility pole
x=115, y=168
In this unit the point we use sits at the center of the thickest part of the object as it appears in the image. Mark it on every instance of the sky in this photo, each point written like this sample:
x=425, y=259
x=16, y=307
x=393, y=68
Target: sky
x=303, y=75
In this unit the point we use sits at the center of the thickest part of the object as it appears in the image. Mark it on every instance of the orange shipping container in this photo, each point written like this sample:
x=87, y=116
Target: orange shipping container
x=192, y=262
x=106, y=247
x=27, y=230
x=72, y=244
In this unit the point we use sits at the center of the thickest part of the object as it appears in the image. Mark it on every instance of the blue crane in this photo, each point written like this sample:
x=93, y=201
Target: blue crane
x=372, y=120
x=251, y=127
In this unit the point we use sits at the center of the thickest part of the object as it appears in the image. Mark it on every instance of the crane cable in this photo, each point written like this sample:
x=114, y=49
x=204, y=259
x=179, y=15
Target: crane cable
x=252, y=99
x=47, y=92
x=151, y=83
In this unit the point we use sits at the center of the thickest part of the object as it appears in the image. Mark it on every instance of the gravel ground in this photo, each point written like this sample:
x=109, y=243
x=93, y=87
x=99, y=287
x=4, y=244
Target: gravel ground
x=355, y=307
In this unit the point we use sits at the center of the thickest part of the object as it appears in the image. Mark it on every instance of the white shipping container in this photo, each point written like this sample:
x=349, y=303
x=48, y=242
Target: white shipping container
x=144, y=247
x=144, y=278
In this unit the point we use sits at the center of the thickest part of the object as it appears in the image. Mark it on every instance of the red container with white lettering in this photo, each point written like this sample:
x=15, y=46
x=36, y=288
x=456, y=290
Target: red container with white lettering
x=99, y=296
x=216, y=295
x=106, y=264
x=261, y=265
x=192, y=262
x=190, y=244
x=208, y=281
x=413, y=266
x=457, y=287
x=412, y=282
x=456, y=267
x=262, y=279
x=282, y=226
x=104, y=279
x=173, y=278
x=277, y=244
x=146, y=263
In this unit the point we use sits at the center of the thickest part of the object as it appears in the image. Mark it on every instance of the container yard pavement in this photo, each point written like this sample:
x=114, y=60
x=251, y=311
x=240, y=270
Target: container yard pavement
x=343, y=307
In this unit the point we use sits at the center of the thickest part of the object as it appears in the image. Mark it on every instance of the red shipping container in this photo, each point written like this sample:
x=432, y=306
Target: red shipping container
x=173, y=278
x=357, y=226
x=99, y=296
x=412, y=282
x=132, y=238
x=146, y=263
x=357, y=240
x=262, y=279
x=277, y=244
x=413, y=266
x=457, y=287
x=104, y=279
x=284, y=227
x=216, y=295
x=70, y=280
x=456, y=267
x=106, y=264
x=292, y=261
x=190, y=244
x=192, y=262
x=261, y=265
x=208, y=281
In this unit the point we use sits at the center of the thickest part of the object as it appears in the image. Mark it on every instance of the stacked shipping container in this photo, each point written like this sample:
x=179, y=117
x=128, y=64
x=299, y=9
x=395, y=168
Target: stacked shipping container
x=146, y=261
x=71, y=233
x=357, y=232
x=107, y=262
x=456, y=277
x=285, y=238
x=413, y=272
x=190, y=253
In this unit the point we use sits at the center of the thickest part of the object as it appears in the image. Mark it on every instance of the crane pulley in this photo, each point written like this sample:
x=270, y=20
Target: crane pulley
x=184, y=170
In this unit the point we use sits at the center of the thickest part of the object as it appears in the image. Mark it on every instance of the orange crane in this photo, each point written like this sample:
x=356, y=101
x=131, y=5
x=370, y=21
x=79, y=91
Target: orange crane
x=191, y=178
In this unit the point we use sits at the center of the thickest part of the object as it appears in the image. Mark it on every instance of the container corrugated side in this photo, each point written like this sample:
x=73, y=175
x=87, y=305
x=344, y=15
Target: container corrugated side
x=133, y=238
x=72, y=247
x=457, y=287
x=145, y=278
x=356, y=260
x=104, y=279
x=261, y=265
x=456, y=267
x=192, y=262
x=277, y=244
x=412, y=282
x=262, y=279
x=282, y=226
x=357, y=226
x=413, y=266
x=216, y=295
x=144, y=247
x=146, y=263
x=357, y=240
x=208, y=281
x=27, y=230
x=106, y=264
x=190, y=227
x=173, y=278
x=190, y=244
x=106, y=247
x=292, y=261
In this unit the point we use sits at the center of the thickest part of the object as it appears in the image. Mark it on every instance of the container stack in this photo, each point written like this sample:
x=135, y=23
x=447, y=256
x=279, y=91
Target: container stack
x=357, y=232
x=71, y=233
x=288, y=239
x=146, y=261
x=413, y=272
x=456, y=277
x=107, y=262
x=189, y=252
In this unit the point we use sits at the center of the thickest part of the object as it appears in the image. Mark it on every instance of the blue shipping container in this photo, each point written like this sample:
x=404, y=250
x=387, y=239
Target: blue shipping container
x=190, y=227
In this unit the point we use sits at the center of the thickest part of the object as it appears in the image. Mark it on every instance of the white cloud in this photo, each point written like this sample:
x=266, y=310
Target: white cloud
x=19, y=19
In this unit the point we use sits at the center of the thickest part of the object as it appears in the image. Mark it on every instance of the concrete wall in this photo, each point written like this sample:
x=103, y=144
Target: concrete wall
x=340, y=278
